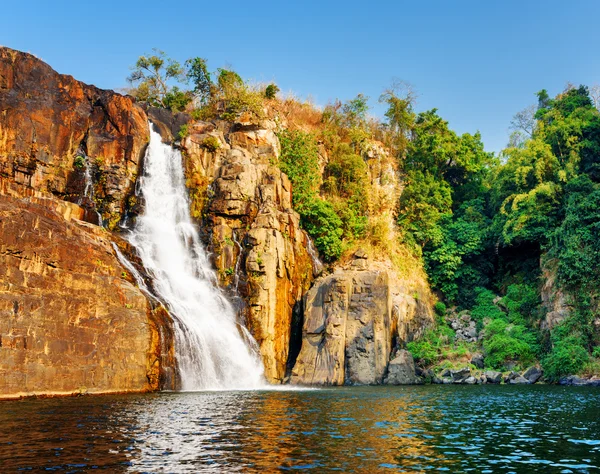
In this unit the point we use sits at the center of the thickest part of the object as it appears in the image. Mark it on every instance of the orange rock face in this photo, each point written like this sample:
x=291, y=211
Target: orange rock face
x=48, y=119
x=72, y=319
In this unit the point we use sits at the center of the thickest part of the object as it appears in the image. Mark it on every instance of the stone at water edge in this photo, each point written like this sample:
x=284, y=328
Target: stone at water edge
x=532, y=374
x=401, y=370
x=470, y=380
x=519, y=380
x=493, y=376
x=459, y=376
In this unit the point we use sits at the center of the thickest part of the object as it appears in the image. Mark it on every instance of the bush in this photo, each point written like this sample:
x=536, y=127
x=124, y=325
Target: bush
x=567, y=357
x=300, y=161
x=183, y=132
x=435, y=342
x=505, y=342
x=485, y=306
x=322, y=223
x=271, y=91
x=79, y=162
x=440, y=309
x=423, y=351
x=211, y=143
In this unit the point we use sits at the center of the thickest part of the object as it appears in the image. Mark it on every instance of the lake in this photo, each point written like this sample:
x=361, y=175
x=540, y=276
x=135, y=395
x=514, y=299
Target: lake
x=349, y=429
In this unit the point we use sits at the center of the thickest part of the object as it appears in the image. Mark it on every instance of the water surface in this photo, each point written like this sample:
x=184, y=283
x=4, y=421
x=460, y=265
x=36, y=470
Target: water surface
x=352, y=429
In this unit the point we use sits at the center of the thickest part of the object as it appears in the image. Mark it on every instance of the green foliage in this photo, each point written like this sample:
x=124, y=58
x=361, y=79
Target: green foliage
x=152, y=75
x=568, y=355
x=485, y=306
x=183, y=132
x=79, y=162
x=322, y=223
x=176, y=99
x=300, y=161
x=271, y=91
x=432, y=345
x=440, y=309
x=505, y=342
x=211, y=143
x=577, y=240
x=197, y=73
x=347, y=181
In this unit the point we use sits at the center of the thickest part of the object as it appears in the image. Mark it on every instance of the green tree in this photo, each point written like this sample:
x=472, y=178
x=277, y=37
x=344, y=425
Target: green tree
x=152, y=75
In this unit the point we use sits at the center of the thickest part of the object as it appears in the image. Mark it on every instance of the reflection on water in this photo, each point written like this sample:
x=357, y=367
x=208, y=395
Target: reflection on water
x=371, y=429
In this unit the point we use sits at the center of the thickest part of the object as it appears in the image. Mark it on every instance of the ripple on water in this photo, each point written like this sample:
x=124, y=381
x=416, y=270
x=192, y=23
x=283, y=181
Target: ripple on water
x=370, y=429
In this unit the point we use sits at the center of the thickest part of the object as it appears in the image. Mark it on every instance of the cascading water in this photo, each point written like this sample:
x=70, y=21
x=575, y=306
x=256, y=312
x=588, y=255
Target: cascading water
x=213, y=350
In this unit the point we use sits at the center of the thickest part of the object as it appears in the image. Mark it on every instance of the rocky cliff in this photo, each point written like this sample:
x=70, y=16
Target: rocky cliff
x=71, y=319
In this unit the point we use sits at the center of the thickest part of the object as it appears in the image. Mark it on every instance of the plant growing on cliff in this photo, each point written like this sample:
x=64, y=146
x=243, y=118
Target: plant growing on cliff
x=211, y=143
x=79, y=162
x=300, y=161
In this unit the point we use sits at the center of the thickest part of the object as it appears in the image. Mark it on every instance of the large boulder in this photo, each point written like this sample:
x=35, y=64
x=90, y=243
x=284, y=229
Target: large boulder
x=401, y=370
x=346, y=336
x=493, y=376
x=532, y=374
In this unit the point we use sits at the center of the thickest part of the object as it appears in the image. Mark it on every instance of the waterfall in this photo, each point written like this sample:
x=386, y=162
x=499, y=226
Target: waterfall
x=214, y=351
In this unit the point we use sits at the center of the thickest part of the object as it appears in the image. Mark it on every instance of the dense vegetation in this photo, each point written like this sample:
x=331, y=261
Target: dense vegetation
x=487, y=227
x=490, y=230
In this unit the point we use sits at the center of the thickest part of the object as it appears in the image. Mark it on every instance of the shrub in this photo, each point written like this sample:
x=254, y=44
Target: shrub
x=211, y=143
x=485, y=306
x=322, y=223
x=504, y=342
x=567, y=357
x=300, y=161
x=271, y=91
x=79, y=162
x=440, y=309
x=183, y=132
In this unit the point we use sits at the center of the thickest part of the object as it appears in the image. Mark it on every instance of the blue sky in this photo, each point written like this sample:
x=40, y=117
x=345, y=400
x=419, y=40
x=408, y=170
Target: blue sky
x=478, y=62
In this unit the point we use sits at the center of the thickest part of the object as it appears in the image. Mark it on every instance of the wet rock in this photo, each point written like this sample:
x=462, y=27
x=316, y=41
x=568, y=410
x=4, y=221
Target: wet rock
x=401, y=370
x=460, y=375
x=532, y=374
x=493, y=377
x=477, y=360
x=258, y=247
x=470, y=380
x=576, y=381
x=519, y=380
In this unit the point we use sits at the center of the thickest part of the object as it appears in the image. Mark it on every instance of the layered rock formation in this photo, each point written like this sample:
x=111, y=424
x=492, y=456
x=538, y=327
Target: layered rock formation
x=71, y=319
x=259, y=250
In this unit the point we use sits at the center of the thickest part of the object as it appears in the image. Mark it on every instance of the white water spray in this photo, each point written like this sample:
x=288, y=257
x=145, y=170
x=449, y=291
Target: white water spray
x=213, y=350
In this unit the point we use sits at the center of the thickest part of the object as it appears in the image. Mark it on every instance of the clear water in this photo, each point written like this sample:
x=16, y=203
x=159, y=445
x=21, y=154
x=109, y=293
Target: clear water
x=479, y=429
x=213, y=350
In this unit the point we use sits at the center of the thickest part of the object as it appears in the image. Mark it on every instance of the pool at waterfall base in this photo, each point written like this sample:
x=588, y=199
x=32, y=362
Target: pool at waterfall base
x=481, y=429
